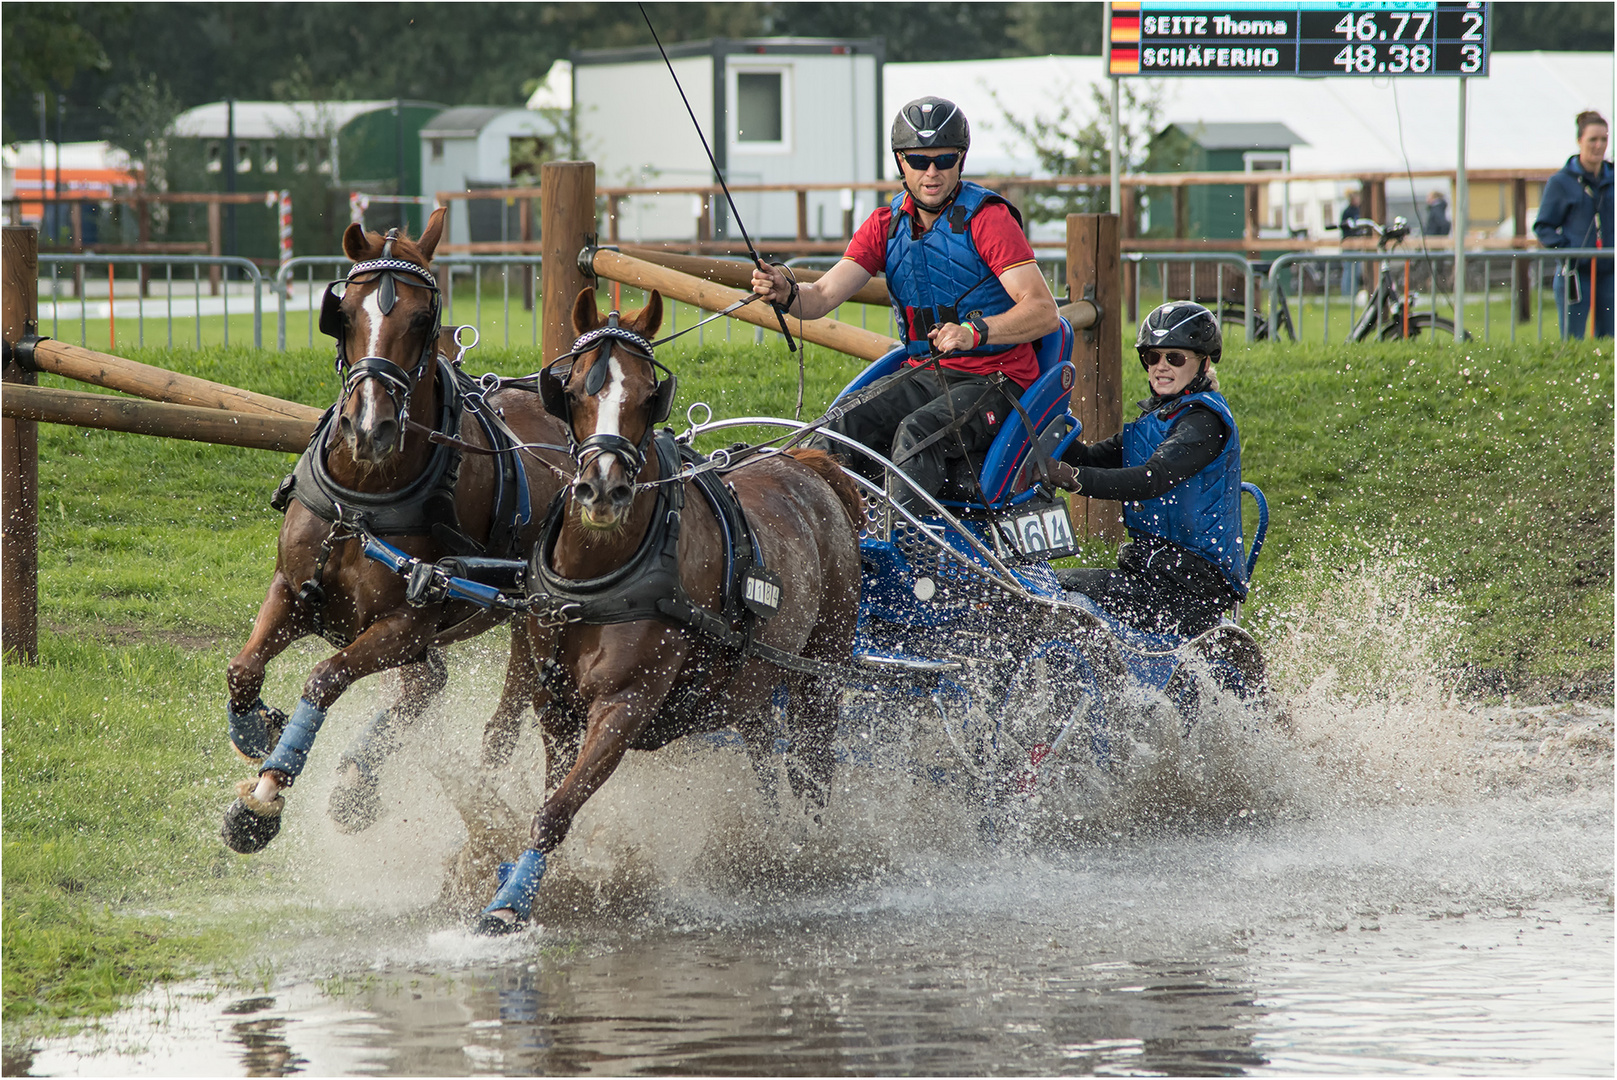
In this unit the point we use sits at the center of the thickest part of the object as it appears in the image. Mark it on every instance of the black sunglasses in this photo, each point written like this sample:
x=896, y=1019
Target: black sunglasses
x=920, y=162
x=1175, y=359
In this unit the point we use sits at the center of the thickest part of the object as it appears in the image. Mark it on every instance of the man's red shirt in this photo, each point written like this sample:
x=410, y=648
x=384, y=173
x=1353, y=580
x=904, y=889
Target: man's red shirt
x=1001, y=243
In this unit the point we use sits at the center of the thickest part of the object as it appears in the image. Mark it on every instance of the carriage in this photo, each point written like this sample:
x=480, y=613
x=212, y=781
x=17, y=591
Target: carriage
x=960, y=612
x=667, y=593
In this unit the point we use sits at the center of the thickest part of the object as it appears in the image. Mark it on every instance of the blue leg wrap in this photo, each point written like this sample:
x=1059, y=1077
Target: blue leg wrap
x=519, y=885
x=292, y=752
x=250, y=731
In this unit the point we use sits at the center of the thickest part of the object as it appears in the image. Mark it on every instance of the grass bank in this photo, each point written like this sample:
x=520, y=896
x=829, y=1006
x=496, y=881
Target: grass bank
x=1487, y=469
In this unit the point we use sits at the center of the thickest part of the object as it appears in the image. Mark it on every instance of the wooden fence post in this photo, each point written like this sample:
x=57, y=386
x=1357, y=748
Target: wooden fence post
x=566, y=222
x=19, y=458
x=1094, y=259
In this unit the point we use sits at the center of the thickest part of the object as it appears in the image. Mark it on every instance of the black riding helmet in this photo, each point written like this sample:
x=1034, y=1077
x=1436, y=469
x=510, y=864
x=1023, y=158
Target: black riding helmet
x=1181, y=324
x=931, y=123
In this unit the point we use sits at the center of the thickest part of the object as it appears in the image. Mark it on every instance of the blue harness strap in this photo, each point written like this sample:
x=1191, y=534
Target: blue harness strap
x=292, y=752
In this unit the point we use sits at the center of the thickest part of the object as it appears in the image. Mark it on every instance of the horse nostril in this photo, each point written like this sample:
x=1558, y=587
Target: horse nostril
x=584, y=490
x=345, y=427
x=386, y=434
x=621, y=493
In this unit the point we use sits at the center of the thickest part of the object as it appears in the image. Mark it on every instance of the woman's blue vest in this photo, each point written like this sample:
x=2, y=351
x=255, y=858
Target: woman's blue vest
x=1202, y=514
x=941, y=275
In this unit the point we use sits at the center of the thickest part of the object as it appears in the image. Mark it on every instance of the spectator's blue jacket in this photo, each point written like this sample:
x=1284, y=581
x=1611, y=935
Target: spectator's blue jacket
x=1567, y=212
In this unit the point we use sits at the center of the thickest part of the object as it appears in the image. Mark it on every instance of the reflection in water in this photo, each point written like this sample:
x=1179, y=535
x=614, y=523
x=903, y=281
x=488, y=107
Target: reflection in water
x=266, y=1052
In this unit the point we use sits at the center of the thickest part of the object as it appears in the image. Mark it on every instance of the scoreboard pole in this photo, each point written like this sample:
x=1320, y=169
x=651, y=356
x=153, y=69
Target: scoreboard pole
x=1115, y=206
x=1462, y=213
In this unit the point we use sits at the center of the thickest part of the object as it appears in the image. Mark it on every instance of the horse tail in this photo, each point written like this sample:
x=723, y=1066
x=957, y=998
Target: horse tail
x=831, y=472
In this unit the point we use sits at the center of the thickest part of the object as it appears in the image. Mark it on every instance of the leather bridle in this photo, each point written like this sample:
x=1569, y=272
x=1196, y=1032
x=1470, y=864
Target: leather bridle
x=389, y=273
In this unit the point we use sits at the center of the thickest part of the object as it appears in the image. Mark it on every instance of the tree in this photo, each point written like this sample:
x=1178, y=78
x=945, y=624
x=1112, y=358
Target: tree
x=1073, y=143
x=45, y=47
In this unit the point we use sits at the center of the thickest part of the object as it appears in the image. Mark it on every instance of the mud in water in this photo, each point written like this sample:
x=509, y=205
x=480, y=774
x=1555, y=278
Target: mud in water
x=1383, y=879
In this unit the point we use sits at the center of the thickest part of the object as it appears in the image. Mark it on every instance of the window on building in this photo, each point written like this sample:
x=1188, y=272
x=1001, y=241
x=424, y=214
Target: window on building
x=322, y=157
x=437, y=146
x=300, y=157
x=271, y=159
x=760, y=108
x=215, y=154
x=244, y=157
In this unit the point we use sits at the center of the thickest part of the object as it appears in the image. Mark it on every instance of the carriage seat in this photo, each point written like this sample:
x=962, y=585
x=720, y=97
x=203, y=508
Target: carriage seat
x=1006, y=473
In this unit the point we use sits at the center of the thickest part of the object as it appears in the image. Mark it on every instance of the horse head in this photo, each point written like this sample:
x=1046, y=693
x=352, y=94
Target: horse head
x=607, y=390
x=387, y=314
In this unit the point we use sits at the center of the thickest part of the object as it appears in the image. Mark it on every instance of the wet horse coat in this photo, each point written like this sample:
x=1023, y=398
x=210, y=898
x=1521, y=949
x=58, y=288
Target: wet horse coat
x=642, y=684
x=377, y=444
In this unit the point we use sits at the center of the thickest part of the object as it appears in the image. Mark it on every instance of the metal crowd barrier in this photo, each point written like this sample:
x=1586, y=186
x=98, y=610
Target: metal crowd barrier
x=1182, y=287
x=1431, y=301
x=196, y=262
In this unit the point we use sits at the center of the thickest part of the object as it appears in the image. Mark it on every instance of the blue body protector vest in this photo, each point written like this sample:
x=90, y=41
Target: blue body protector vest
x=1202, y=514
x=941, y=275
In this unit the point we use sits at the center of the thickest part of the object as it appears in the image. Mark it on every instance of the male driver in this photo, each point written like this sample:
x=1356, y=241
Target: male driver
x=965, y=288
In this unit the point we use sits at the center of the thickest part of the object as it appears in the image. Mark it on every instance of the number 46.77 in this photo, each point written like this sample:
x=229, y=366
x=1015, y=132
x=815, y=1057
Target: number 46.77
x=1363, y=26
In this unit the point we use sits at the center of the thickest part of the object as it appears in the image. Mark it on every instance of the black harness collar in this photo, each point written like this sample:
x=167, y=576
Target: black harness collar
x=647, y=585
x=424, y=507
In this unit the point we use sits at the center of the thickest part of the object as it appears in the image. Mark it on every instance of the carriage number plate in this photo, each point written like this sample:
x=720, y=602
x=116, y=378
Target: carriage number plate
x=1042, y=531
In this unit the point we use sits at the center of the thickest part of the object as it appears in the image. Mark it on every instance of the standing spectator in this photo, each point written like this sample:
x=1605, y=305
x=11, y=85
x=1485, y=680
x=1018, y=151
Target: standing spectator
x=1436, y=222
x=1576, y=212
x=1350, y=214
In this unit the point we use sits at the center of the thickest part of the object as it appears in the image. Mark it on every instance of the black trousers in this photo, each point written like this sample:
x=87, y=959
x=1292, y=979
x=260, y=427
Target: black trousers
x=1158, y=587
x=916, y=406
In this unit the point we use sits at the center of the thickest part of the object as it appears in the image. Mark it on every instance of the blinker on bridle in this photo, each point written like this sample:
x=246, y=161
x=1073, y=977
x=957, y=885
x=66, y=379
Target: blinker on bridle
x=553, y=391
x=387, y=272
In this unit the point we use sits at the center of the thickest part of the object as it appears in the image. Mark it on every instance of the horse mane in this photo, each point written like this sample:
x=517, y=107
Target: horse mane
x=830, y=470
x=404, y=247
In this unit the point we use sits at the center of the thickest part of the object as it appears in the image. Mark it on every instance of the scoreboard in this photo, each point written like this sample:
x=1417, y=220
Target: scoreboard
x=1299, y=37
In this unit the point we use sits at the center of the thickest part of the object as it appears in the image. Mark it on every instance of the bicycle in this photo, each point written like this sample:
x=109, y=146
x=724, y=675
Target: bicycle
x=1389, y=312
x=1235, y=314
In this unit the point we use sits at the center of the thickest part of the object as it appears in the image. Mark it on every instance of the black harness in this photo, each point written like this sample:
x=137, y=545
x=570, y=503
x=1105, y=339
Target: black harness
x=648, y=585
x=426, y=506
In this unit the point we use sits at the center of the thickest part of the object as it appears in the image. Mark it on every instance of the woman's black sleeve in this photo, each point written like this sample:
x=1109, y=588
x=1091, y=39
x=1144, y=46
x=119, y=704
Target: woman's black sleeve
x=1194, y=441
x=1106, y=454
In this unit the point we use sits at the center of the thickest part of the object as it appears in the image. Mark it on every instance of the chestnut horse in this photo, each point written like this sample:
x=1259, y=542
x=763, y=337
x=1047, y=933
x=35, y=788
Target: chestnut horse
x=373, y=466
x=641, y=684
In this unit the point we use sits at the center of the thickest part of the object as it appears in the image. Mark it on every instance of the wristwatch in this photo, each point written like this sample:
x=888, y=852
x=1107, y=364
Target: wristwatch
x=979, y=324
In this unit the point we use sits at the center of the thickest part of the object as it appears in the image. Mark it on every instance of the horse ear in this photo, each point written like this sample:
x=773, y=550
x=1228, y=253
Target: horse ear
x=434, y=232
x=586, y=316
x=651, y=316
x=355, y=245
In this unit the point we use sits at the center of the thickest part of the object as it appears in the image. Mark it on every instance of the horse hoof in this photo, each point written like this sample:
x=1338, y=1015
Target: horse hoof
x=355, y=805
x=250, y=824
x=493, y=926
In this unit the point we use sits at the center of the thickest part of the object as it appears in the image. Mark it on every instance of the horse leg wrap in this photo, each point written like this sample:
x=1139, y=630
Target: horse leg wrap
x=354, y=807
x=517, y=890
x=292, y=751
x=254, y=733
x=250, y=824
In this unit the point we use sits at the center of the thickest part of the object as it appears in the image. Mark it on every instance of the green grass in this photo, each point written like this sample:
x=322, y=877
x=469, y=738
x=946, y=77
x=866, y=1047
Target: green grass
x=1485, y=471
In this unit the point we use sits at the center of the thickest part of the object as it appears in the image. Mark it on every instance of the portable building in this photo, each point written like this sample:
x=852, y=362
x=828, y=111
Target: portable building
x=478, y=146
x=773, y=110
x=313, y=149
x=1216, y=211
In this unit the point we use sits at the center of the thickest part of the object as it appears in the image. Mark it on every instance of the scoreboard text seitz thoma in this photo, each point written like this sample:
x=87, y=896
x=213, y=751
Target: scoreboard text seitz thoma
x=1299, y=37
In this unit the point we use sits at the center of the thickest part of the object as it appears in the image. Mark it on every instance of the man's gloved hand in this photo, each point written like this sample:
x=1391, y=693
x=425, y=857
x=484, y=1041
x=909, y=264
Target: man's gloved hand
x=1064, y=476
